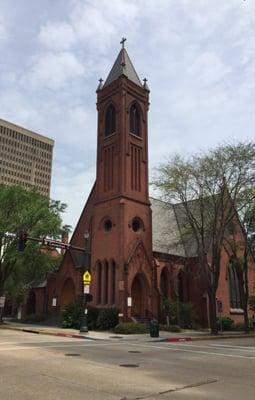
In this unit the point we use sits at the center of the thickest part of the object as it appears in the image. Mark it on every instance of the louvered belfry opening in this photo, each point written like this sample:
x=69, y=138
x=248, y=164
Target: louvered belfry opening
x=134, y=120
x=110, y=120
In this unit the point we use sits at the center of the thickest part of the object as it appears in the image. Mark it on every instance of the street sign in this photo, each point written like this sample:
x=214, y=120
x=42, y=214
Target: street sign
x=2, y=301
x=86, y=278
x=86, y=289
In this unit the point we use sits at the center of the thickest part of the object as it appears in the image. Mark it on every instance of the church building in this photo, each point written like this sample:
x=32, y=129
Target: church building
x=137, y=258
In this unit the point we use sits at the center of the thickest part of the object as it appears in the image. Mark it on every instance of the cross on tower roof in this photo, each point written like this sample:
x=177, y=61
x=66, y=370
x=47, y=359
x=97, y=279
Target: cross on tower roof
x=123, y=67
x=123, y=42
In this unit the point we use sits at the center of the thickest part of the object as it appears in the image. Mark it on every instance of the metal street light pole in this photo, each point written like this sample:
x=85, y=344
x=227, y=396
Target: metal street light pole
x=84, y=321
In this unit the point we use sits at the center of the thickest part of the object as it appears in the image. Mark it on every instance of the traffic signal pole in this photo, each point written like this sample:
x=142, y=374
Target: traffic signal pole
x=56, y=244
x=44, y=241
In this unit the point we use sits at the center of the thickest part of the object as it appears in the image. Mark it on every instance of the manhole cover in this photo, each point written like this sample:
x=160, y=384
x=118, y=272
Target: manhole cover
x=134, y=351
x=129, y=365
x=72, y=354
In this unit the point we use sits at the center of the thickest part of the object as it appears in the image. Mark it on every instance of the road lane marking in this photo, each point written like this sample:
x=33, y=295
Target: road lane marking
x=91, y=343
x=244, y=348
x=217, y=346
x=56, y=346
x=194, y=351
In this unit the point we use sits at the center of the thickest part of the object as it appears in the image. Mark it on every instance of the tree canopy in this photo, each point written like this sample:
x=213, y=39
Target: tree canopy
x=215, y=188
x=38, y=216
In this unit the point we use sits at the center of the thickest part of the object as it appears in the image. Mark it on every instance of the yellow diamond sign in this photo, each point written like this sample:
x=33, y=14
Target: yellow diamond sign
x=86, y=278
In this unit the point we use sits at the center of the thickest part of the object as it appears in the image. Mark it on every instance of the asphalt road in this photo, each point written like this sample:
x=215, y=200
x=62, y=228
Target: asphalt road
x=54, y=368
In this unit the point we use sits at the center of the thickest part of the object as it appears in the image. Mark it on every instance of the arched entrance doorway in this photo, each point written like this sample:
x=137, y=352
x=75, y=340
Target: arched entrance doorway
x=67, y=293
x=31, y=303
x=164, y=283
x=139, y=295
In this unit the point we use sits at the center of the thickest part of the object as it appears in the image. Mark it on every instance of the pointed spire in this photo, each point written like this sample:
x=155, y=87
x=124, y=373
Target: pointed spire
x=100, y=85
x=145, y=86
x=123, y=66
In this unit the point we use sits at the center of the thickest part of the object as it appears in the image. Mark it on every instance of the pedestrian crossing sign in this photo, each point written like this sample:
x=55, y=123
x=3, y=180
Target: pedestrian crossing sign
x=86, y=278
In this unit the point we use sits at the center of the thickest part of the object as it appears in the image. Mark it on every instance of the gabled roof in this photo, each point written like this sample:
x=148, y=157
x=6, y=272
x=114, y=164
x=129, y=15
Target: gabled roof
x=171, y=232
x=123, y=66
x=165, y=229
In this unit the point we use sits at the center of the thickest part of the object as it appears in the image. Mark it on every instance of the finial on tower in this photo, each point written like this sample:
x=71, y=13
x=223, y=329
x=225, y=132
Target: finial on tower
x=122, y=42
x=145, y=86
x=100, y=85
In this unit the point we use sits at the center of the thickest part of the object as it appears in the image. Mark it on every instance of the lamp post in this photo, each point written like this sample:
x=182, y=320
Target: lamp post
x=83, y=321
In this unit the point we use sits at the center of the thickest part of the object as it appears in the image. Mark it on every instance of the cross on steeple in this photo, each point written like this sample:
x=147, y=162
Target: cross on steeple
x=122, y=42
x=145, y=86
x=100, y=85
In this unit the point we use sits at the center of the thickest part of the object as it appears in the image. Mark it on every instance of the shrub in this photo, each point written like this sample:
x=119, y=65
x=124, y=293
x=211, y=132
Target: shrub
x=104, y=318
x=92, y=317
x=182, y=314
x=170, y=328
x=71, y=315
x=239, y=326
x=127, y=328
x=226, y=323
x=252, y=302
x=107, y=318
x=33, y=318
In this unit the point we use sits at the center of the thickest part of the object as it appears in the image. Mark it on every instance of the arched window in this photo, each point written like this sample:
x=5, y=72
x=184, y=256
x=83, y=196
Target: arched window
x=180, y=287
x=110, y=120
x=234, y=287
x=134, y=120
x=99, y=282
x=164, y=283
x=113, y=282
x=106, y=282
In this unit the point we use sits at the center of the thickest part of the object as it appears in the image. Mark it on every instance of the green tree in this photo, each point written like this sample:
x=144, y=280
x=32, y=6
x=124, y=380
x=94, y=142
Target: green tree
x=209, y=187
x=38, y=216
x=239, y=242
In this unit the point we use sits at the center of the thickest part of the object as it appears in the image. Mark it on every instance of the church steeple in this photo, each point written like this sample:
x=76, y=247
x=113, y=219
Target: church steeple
x=123, y=66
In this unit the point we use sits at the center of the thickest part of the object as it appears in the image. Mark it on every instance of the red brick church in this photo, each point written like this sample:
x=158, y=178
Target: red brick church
x=137, y=258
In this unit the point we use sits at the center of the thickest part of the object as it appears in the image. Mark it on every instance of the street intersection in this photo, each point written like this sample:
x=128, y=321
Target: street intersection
x=61, y=368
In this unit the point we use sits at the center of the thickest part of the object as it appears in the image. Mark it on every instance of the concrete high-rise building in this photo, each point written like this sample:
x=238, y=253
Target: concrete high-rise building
x=25, y=158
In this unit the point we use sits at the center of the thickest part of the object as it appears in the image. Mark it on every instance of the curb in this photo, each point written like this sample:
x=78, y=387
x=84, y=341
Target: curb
x=196, y=338
x=50, y=333
x=177, y=339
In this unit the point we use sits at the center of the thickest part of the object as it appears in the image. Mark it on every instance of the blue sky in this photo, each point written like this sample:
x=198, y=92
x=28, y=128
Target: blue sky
x=198, y=57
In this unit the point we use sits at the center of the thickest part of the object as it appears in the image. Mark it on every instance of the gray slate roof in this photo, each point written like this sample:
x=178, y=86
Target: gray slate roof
x=123, y=66
x=168, y=220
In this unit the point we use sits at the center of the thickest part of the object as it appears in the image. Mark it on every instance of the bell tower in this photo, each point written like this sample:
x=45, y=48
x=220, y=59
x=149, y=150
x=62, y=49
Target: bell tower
x=122, y=154
x=121, y=245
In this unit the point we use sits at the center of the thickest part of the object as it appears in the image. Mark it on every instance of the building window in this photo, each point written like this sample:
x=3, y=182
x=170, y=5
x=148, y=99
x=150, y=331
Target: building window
x=106, y=282
x=99, y=282
x=234, y=287
x=108, y=225
x=137, y=224
x=110, y=120
x=134, y=121
x=113, y=282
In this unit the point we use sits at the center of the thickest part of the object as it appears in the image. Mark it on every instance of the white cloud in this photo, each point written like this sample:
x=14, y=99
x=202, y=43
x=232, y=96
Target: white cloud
x=3, y=30
x=73, y=189
x=57, y=36
x=208, y=69
x=97, y=23
x=198, y=56
x=54, y=70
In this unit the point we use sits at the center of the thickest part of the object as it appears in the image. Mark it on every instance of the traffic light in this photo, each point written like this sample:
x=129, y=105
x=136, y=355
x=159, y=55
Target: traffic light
x=22, y=241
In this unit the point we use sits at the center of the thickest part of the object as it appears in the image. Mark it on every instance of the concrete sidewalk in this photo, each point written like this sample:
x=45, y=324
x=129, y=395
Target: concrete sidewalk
x=107, y=335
